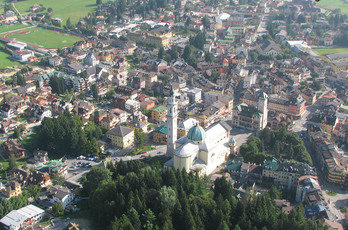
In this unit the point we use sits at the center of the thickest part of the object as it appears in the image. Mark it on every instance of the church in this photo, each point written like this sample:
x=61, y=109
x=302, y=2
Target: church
x=200, y=150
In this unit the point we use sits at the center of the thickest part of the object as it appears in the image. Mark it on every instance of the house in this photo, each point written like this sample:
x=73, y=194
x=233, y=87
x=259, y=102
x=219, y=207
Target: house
x=121, y=136
x=73, y=68
x=13, y=188
x=12, y=148
x=159, y=135
x=22, y=218
x=147, y=104
x=268, y=47
x=58, y=193
x=40, y=178
x=40, y=112
x=55, y=61
x=159, y=113
x=40, y=156
x=109, y=121
x=136, y=124
x=53, y=167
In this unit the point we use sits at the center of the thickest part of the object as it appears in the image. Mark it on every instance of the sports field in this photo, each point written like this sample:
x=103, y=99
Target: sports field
x=44, y=38
x=5, y=62
x=75, y=9
x=6, y=28
x=330, y=51
x=334, y=4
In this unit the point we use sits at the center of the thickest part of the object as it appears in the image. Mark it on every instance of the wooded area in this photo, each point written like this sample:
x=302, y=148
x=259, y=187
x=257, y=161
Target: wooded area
x=133, y=195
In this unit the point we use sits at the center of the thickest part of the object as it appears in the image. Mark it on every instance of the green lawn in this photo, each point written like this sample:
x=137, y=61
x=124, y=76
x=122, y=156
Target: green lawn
x=331, y=193
x=46, y=38
x=5, y=62
x=330, y=51
x=334, y=4
x=75, y=9
x=6, y=28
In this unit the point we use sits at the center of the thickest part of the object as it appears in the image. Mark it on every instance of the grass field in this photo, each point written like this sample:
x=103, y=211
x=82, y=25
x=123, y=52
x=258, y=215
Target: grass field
x=330, y=51
x=334, y=4
x=5, y=62
x=6, y=28
x=75, y=9
x=45, y=38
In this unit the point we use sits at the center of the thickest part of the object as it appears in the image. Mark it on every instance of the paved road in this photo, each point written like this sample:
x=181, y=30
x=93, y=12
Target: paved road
x=262, y=28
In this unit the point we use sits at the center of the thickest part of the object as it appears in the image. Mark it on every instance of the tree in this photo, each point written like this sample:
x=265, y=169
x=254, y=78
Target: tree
x=49, y=10
x=174, y=53
x=58, y=179
x=301, y=19
x=148, y=219
x=99, y=2
x=274, y=193
x=206, y=22
x=20, y=79
x=95, y=177
x=167, y=198
x=68, y=23
x=139, y=137
x=13, y=163
x=161, y=53
x=34, y=191
x=58, y=209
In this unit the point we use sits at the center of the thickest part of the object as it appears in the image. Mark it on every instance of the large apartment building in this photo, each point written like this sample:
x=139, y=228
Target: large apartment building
x=330, y=160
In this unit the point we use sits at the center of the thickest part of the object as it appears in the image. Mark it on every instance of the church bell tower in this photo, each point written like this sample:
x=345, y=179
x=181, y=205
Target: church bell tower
x=172, y=123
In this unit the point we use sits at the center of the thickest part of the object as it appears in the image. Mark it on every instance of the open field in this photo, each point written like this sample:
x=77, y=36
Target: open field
x=6, y=28
x=334, y=4
x=44, y=38
x=75, y=9
x=5, y=62
x=330, y=51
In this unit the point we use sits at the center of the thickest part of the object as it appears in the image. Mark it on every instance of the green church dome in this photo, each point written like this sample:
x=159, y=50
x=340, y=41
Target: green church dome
x=232, y=140
x=196, y=133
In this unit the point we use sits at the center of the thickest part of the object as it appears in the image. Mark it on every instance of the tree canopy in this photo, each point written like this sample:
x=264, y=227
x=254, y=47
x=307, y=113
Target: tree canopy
x=133, y=195
x=280, y=144
x=67, y=135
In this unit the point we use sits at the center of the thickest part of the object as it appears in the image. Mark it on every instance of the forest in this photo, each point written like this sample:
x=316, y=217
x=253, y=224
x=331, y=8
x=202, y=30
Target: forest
x=134, y=195
x=280, y=144
x=66, y=135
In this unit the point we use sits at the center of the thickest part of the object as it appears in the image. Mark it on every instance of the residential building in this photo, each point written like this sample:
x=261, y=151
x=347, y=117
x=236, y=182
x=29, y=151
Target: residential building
x=109, y=121
x=120, y=136
x=284, y=173
x=159, y=135
x=11, y=147
x=53, y=167
x=22, y=218
x=159, y=113
x=13, y=188
x=330, y=161
x=58, y=193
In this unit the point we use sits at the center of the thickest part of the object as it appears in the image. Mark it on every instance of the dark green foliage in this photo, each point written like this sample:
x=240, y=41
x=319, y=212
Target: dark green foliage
x=65, y=136
x=280, y=144
x=57, y=85
x=161, y=53
x=33, y=191
x=198, y=41
x=57, y=179
x=139, y=137
x=14, y=203
x=136, y=196
x=12, y=163
x=58, y=209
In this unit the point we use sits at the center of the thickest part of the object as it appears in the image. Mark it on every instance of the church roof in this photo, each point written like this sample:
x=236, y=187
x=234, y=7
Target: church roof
x=196, y=133
x=186, y=150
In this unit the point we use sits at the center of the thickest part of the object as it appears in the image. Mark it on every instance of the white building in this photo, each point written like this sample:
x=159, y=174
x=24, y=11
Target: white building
x=132, y=105
x=62, y=194
x=22, y=218
x=202, y=150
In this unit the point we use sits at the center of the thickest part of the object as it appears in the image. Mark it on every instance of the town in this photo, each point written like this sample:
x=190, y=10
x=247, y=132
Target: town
x=165, y=114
